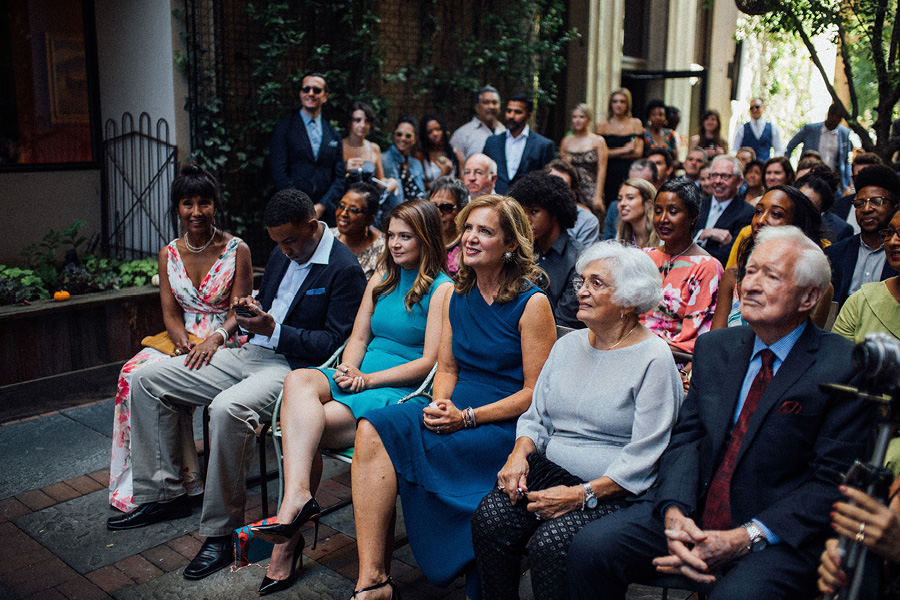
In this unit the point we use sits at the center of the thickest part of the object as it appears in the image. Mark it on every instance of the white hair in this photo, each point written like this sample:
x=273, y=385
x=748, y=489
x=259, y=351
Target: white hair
x=811, y=267
x=634, y=274
x=491, y=163
x=736, y=166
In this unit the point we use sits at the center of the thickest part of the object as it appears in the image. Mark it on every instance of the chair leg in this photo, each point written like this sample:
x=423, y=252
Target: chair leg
x=205, y=421
x=263, y=478
x=665, y=595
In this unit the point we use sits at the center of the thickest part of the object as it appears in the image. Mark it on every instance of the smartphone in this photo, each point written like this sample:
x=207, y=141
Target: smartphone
x=243, y=310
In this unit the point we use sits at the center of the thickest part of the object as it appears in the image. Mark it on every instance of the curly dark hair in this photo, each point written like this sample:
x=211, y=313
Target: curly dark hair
x=289, y=206
x=881, y=175
x=823, y=181
x=548, y=192
x=369, y=193
x=192, y=181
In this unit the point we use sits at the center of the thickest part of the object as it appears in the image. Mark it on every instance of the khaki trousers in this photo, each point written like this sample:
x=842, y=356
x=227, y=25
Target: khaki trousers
x=240, y=386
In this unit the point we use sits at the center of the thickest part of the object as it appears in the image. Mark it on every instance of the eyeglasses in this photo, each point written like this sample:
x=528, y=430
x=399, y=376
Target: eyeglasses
x=316, y=90
x=400, y=134
x=875, y=201
x=446, y=208
x=721, y=175
x=353, y=210
x=887, y=234
x=476, y=172
x=594, y=284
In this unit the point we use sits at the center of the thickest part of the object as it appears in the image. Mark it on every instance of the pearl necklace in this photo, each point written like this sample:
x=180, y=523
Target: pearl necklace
x=196, y=249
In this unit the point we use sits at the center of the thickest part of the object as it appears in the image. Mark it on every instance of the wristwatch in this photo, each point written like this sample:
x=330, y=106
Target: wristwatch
x=758, y=541
x=590, y=500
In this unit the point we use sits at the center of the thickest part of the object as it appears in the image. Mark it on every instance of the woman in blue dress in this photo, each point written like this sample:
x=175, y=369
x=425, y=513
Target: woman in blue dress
x=497, y=332
x=393, y=346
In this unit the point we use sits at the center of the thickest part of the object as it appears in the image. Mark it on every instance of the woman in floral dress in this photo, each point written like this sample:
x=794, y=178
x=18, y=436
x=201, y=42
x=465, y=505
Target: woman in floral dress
x=690, y=276
x=200, y=273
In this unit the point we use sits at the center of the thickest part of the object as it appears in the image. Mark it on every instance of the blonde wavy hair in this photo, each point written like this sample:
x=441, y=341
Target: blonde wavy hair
x=619, y=92
x=625, y=232
x=521, y=269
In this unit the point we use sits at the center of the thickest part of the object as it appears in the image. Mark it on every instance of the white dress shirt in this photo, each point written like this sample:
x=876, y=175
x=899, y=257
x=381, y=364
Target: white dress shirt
x=515, y=147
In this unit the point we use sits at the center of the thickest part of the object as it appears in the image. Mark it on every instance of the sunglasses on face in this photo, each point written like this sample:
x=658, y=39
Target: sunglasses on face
x=311, y=88
x=446, y=208
x=875, y=201
x=887, y=234
x=755, y=107
x=353, y=210
x=400, y=134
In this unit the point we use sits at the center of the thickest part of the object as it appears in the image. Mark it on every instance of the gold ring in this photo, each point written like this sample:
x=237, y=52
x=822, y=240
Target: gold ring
x=862, y=528
x=860, y=537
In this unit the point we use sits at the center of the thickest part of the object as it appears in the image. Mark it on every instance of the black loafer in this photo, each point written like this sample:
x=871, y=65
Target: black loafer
x=150, y=513
x=215, y=554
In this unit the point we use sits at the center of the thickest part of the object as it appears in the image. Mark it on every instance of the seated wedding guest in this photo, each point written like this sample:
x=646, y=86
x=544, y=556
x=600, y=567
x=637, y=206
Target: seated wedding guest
x=705, y=181
x=877, y=527
x=807, y=163
x=604, y=407
x=438, y=157
x=362, y=158
x=479, y=175
x=587, y=227
x=754, y=180
x=709, y=136
x=861, y=259
x=747, y=481
x=399, y=163
x=694, y=162
x=636, y=214
x=200, y=275
x=875, y=306
x=393, y=346
x=690, y=276
x=820, y=185
x=496, y=334
x=355, y=214
x=778, y=171
x=449, y=195
x=550, y=207
x=724, y=214
x=642, y=168
x=782, y=205
x=310, y=291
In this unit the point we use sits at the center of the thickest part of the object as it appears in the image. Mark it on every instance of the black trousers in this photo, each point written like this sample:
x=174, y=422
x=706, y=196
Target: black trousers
x=610, y=553
x=501, y=532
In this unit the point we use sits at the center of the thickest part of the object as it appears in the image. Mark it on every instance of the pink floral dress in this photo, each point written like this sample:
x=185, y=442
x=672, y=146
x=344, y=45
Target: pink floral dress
x=690, y=285
x=204, y=310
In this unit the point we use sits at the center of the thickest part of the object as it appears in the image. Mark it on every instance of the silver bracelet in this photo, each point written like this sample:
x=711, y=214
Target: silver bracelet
x=224, y=333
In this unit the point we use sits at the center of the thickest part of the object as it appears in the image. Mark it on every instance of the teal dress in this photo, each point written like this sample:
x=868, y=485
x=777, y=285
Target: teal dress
x=398, y=337
x=442, y=478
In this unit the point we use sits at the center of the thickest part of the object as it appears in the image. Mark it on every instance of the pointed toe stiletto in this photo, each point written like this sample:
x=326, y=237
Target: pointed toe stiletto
x=270, y=586
x=279, y=533
x=395, y=593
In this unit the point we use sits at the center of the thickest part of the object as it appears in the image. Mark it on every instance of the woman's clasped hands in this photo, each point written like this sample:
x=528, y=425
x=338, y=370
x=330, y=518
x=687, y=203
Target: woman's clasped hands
x=442, y=417
x=350, y=378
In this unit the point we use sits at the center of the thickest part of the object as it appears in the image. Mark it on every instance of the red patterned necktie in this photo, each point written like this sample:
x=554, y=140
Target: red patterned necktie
x=717, y=512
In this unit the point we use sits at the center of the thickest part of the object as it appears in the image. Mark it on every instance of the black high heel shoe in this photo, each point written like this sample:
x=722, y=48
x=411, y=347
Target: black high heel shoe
x=279, y=533
x=395, y=593
x=270, y=586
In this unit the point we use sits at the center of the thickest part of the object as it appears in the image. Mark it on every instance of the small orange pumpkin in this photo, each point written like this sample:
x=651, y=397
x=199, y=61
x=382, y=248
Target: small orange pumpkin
x=61, y=296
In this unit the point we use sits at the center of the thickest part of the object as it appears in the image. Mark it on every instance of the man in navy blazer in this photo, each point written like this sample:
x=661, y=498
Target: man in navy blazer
x=861, y=259
x=310, y=292
x=830, y=139
x=518, y=150
x=305, y=151
x=767, y=478
x=716, y=233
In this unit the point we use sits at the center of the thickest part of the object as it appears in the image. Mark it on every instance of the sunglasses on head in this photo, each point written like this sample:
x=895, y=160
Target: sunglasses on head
x=446, y=208
x=312, y=88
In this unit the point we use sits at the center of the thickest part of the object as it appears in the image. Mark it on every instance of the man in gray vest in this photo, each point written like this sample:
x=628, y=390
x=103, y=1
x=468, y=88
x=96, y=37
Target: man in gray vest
x=758, y=133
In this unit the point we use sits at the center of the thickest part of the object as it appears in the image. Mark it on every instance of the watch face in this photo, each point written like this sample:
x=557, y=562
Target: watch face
x=592, y=503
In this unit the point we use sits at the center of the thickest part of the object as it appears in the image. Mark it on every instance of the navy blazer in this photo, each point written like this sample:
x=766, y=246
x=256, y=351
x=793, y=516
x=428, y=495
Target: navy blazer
x=843, y=257
x=799, y=440
x=809, y=136
x=537, y=153
x=737, y=216
x=294, y=166
x=323, y=310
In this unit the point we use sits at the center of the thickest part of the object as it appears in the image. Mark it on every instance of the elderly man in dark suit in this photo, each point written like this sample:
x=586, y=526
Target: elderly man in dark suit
x=830, y=139
x=305, y=151
x=305, y=308
x=746, y=485
x=724, y=214
x=860, y=259
x=518, y=150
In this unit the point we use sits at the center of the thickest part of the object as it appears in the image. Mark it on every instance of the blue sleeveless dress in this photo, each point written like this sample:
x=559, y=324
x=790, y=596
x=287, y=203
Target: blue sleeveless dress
x=398, y=337
x=442, y=478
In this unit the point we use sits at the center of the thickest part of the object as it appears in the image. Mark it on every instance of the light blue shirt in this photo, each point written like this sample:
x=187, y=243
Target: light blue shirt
x=313, y=131
x=293, y=278
x=515, y=147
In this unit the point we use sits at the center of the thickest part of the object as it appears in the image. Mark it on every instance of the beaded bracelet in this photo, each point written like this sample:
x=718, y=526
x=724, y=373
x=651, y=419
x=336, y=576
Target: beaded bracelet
x=224, y=333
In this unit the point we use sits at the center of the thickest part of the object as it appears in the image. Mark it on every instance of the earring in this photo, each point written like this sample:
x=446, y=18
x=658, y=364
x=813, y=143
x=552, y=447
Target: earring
x=507, y=257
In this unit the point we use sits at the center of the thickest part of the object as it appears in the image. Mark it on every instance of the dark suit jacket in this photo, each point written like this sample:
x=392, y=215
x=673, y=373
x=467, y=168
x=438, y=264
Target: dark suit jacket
x=843, y=257
x=809, y=136
x=537, y=153
x=321, y=316
x=797, y=443
x=843, y=205
x=737, y=216
x=837, y=229
x=294, y=165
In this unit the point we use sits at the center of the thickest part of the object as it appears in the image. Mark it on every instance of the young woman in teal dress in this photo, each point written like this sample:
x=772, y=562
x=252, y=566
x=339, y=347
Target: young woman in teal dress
x=393, y=346
x=497, y=332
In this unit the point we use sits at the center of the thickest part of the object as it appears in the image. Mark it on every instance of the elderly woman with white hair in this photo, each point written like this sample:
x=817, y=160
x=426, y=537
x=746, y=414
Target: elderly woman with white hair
x=603, y=408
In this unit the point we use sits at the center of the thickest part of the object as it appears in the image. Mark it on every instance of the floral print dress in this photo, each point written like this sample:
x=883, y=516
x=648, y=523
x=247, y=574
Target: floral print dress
x=204, y=310
x=690, y=285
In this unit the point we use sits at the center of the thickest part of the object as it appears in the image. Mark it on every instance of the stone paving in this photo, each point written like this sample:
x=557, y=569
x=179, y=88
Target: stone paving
x=55, y=545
